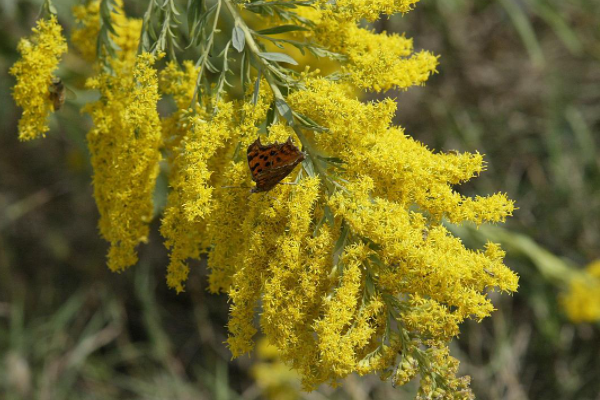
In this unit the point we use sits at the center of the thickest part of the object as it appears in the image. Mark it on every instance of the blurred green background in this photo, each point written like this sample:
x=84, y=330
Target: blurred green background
x=519, y=80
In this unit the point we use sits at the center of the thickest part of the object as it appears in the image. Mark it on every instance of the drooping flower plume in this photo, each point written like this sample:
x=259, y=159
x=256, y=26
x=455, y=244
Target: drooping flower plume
x=125, y=144
x=348, y=259
x=34, y=72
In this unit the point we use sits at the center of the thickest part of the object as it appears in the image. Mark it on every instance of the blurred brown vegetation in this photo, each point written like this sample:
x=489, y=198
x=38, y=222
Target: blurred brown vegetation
x=519, y=80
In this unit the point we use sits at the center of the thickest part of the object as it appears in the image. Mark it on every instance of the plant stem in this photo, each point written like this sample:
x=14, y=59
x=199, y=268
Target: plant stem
x=253, y=47
x=266, y=68
x=205, y=55
x=146, y=21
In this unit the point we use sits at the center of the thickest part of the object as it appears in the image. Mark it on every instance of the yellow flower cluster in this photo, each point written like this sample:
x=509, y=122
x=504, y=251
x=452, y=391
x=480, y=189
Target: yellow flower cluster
x=40, y=56
x=317, y=310
x=374, y=61
x=402, y=169
x=324, y=267
x=443, y=365
x=377, y=62
x=85, y=36
x=351, y=264
x=582, y=301
x=124, y=145
x=369, y=10
x=198, y=146
x=189, y=202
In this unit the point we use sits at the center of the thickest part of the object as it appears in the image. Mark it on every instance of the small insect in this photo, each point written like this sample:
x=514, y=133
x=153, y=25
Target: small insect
x=270, y=164
x=490, y=273
x=59, y=93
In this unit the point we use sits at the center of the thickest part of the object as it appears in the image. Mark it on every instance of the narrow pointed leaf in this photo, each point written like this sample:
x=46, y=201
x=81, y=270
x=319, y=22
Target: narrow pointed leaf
x=238, y=39
x=281, y=29
x=279, y=57
x=285, y=111
x=256, y=88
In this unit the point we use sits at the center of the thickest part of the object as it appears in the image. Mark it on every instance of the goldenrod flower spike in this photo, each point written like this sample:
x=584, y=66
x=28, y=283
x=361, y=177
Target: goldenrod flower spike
x=351, y=265
x=124, y=145
x=34, y=72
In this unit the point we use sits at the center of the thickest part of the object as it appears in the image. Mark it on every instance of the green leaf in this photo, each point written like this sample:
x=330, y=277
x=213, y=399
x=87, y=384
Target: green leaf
x=152, y=32
x=308, y=123
x=104, y=9
x=375, y=260
x=322, y=53
x=278, y=57
x=191, y=15
x=210, y=66
x=331, y=160
x=270, y=116
x=173, y=8
x=309, y=167
x=276, y=43
x=238, y=39
x=285, y=111
x=290, y=4
x=281, y=29
x=370, y=285
x=318, y=226
x=243, y=80
x=256, y=88
x=340, y=244
x=329, y=216
x=145, y=42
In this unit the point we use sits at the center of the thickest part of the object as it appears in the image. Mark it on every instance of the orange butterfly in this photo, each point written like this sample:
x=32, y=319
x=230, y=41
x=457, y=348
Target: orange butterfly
x=270, y=164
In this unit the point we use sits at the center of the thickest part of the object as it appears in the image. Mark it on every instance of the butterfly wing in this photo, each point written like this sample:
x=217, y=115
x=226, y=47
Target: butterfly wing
x=270, y=164
x=71, y=95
